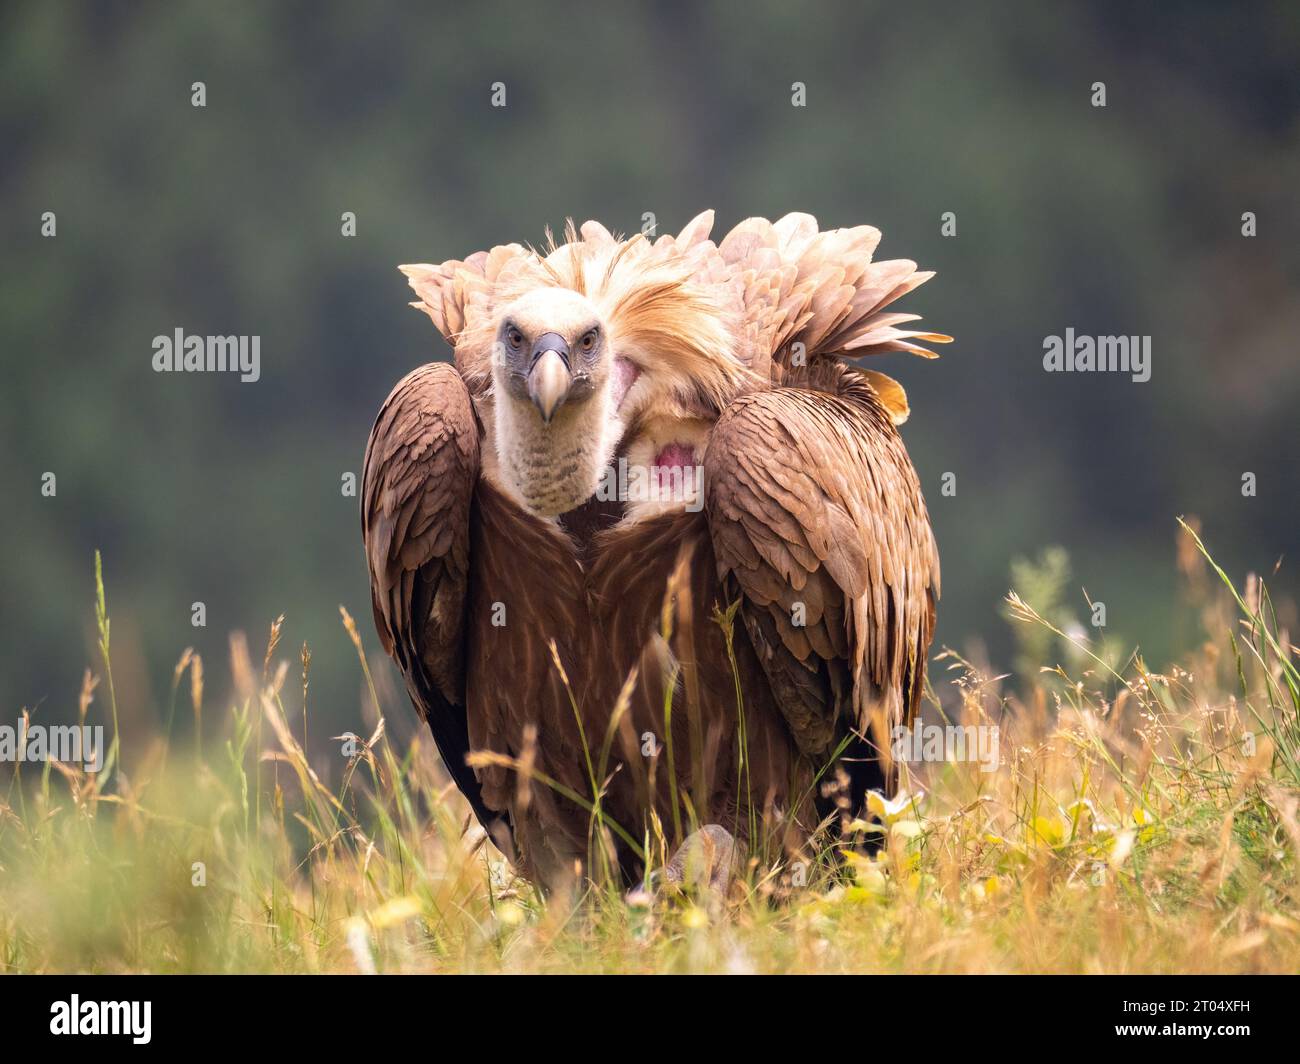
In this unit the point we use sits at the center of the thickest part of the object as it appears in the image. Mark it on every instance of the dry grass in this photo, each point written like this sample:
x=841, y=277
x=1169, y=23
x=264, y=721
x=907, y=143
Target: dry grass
x=1138, y=822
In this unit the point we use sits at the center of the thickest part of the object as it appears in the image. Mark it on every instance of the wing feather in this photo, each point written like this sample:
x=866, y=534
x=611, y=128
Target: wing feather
x=817, y=517
x=421, y=467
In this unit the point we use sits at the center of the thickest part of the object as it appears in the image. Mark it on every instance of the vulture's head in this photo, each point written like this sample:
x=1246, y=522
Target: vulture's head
x=576, y=355
x=557, y=385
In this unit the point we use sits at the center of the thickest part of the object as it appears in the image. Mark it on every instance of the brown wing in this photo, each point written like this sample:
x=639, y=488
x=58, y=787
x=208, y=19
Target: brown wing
x=421, y=467
x=817, y=515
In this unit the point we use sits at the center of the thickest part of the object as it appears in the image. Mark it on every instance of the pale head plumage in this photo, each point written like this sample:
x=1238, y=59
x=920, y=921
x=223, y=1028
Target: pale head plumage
x=663, y=348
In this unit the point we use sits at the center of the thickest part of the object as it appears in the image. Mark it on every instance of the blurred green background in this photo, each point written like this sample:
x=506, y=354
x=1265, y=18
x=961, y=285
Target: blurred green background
x=1124, y=219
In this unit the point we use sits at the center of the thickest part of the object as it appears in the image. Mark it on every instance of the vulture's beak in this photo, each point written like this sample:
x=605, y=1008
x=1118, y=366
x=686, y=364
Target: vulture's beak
x=549, y=378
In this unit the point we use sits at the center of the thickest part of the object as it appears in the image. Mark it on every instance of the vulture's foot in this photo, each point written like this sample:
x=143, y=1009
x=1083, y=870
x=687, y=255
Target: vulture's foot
x=704, y=861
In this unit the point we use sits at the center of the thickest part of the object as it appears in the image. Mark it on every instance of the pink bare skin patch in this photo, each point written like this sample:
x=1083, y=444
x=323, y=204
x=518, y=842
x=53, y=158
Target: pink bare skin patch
x=626, y=373
x=675, y=462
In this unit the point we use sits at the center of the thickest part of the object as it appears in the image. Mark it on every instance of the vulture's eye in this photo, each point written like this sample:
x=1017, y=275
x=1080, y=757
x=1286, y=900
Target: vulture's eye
x=515, y=337
x=588, y=341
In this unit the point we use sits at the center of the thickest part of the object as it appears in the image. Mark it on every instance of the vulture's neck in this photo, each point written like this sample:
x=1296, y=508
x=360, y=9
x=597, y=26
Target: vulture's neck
x=584, y=523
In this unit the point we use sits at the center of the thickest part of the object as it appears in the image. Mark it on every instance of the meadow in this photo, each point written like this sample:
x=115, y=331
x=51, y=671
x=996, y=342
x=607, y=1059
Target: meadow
x=1137, y=821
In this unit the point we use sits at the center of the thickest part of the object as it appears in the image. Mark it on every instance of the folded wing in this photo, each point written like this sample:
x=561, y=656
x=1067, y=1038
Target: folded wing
x=819, y=526
x=421, y=467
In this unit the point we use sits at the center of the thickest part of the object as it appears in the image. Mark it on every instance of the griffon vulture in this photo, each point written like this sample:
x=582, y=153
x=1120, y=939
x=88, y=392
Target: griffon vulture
x=650, y=554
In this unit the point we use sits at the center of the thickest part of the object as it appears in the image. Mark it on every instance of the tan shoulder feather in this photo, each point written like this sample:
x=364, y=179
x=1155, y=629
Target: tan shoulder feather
x=460, y=296
x=818, y=293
